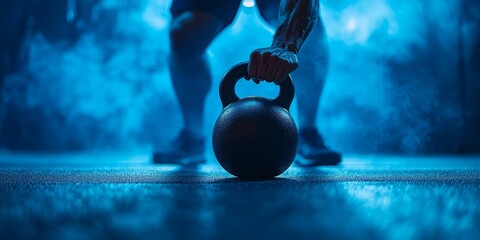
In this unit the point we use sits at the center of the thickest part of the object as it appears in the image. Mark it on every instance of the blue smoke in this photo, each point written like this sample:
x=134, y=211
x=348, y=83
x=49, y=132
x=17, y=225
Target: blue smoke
x=389, y=89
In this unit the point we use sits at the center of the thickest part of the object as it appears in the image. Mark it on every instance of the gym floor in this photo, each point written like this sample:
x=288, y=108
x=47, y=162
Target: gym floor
x=94, y=196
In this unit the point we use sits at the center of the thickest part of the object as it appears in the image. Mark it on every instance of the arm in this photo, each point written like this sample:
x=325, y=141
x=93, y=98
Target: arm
x=274, y=63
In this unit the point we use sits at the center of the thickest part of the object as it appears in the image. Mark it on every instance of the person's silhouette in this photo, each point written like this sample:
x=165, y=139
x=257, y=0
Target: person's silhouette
x=195, y=23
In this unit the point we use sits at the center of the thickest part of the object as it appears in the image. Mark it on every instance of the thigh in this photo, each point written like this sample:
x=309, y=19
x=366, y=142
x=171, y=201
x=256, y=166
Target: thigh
x=269, y=10
x=224, y=10
x=313, y=59
x=192, y=31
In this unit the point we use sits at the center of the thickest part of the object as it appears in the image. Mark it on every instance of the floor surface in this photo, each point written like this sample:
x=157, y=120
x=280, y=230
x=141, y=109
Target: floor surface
x=95, y=196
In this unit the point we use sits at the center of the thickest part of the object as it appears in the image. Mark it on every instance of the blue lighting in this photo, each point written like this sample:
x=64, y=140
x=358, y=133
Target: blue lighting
x=96, y=76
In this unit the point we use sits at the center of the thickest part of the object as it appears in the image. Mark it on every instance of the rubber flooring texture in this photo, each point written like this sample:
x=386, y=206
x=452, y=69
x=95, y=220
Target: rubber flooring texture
x=89, y=196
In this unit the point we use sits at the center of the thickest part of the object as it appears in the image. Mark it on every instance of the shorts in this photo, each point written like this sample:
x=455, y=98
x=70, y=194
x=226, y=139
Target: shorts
x=223, y=9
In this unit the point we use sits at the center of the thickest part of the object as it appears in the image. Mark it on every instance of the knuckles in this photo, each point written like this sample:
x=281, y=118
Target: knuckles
x=283, y=63
x=271, y=65
x=255, y=53
x=276, y=58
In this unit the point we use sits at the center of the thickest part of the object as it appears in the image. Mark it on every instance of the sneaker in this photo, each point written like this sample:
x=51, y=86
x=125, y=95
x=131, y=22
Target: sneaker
x=187, y=149
x=312, y=150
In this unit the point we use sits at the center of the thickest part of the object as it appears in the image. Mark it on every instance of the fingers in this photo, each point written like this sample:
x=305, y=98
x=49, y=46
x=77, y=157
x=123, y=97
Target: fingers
x=284, y=68
x=282, y=72
x=271, y=65
x=262, y=65
x=253, y=65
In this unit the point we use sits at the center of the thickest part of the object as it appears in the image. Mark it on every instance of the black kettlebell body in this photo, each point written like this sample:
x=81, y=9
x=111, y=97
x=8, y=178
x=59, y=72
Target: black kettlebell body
x=254, y=137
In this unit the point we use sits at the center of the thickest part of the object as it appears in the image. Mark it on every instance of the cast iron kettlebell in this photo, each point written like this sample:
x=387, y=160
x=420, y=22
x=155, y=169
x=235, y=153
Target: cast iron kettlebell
x=254, y=137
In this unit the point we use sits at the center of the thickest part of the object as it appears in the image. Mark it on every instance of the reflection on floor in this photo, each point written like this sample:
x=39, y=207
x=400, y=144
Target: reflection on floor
x=113, y=196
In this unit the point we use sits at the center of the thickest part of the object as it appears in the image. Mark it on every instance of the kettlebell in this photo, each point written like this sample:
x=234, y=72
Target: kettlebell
x=254, y=137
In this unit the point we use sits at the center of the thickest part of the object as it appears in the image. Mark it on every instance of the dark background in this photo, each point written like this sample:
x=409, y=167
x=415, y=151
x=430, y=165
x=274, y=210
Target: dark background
x=91, y=75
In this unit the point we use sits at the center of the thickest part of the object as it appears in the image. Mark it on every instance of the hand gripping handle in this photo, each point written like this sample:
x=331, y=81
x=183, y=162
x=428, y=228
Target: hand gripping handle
x=239, y=71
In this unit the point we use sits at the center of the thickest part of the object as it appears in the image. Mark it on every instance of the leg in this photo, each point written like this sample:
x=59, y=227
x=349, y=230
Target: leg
x=190, y=35
x=310, y=79
x=195, y=24
x=191, y=32
x=312, y=72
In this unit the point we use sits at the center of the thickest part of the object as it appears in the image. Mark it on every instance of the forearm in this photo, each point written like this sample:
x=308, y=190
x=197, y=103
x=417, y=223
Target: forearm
x=296, y=20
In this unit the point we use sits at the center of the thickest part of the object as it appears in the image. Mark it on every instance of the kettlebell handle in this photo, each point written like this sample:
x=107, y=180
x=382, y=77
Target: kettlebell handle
x=239, y=71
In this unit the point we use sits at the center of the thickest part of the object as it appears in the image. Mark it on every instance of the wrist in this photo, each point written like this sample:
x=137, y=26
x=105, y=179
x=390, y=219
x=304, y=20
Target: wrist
x=292, y=48
x=289, y=47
